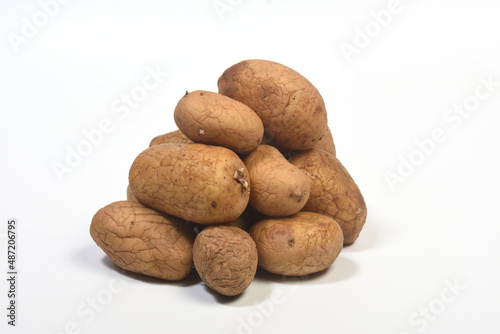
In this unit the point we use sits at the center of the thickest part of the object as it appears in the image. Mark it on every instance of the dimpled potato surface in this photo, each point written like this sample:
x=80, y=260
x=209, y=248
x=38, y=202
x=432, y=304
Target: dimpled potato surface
x=196, y=182
x=291, y=108
x=298, y=245
x=143, y=240
x=333, y=191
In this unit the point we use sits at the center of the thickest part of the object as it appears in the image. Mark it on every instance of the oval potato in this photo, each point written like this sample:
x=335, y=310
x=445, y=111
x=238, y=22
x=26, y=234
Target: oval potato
x=298, y=245
x=278, y=187
x=215, y=119
x=196, y=182
x=142, y=240
x=291, y=108
x=333, y=191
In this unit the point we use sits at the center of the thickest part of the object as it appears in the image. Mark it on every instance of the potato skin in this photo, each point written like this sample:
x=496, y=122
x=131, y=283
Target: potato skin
x=174, y=137
x=215, y=119
x=278, y=187
x=298, y=245
x=143, y=240
x=326, y=143
x=196, y=182
x=226, y=258
x=333, y=191
x=290, y=107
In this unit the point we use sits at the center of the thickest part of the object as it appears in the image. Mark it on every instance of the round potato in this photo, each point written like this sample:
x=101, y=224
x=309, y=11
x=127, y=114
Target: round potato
x=174, y=137
x=226, y=258
x=333, y=191
x=278, y=187
x=196, y=182
x=298, y=245
x=143, y=240
x=215, y=119
x=291, y=108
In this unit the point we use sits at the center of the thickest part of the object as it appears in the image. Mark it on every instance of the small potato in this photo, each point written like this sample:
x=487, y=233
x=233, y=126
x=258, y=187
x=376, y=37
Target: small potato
x=291, y=108
x=226, y=258
x=174, y=137
x=143, y=240
x=333, y=191
x=298, y=245
x=326, y=143
x=278, y=187
x=215, y=119
x=196, y=182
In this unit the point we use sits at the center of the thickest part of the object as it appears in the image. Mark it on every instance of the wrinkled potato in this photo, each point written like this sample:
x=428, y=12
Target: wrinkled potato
x=174, y=137
x=278, y=187
x=298, y=245
x=326, y=143
x=226, y=258
x=196, y=182
x=333, y=191
x=291, y=108
x=215, y=119
x=143, y=240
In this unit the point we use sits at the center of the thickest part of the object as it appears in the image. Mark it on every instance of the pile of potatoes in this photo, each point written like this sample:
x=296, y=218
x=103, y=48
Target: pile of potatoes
x=250, y=179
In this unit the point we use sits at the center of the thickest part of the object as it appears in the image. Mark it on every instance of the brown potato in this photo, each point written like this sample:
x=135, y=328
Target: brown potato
x=298, y=245
x=226, y=258
x=326, y=143
x=333, y=191
x=278, y=188
x=174, y=137
x=196, y=182
x=291, y=108
x=215, y=119
x=143, y=240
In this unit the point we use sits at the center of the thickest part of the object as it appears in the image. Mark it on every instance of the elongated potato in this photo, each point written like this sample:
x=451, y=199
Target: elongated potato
x=297, y=245
x=143, y=240
x=226, y=258
x=215, y=119
x=174, y=137
x=196, y=182
x=291, y=108
x=333, y=191
x=278, y=187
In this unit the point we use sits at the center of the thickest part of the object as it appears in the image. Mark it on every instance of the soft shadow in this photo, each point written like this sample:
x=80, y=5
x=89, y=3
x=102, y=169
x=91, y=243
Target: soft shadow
x=367, y=239
x=340, y=270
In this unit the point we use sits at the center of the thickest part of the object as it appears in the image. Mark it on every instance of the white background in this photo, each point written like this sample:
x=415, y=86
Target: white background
x=438, y=228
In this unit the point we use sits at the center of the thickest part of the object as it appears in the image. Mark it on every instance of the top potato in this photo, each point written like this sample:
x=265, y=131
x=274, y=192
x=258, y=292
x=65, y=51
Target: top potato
x=215, y=119
x=290, y=107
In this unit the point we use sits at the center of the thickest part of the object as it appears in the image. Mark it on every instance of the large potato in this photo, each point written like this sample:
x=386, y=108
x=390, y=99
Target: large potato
x=333, y=191
x=278, y=187
x=226, y=258
x=143, y=240
x=291, y=108
x=297, y=245
x=215, y=119
x=174, y=137
x=196, y=182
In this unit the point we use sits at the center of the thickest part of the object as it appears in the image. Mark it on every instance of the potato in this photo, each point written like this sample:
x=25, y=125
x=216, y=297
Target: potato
x=226, y=258
x=326, y=143
x=291, y=108
x=143, y=240
x=215, y=119
x=278, y=188
x=297, y=245
x=176, y=137
x=196, y=182
x=333, y=191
